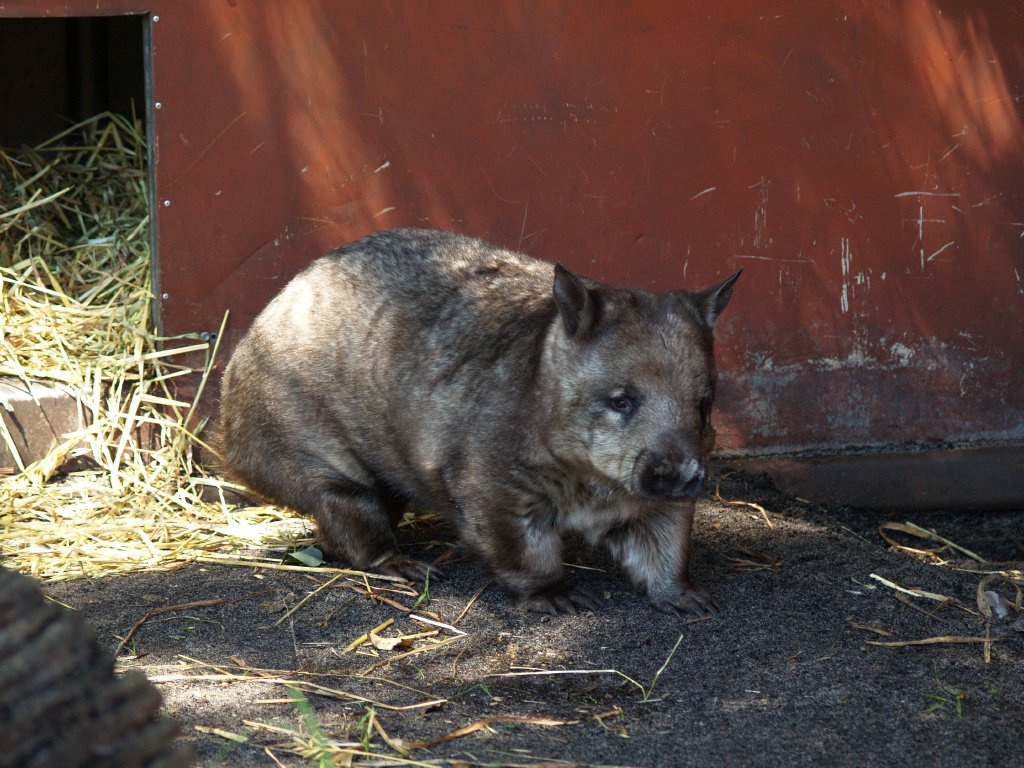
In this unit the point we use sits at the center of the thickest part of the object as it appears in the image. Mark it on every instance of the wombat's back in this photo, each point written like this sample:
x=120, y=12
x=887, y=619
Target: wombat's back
x=406, y=295
x=439, y=277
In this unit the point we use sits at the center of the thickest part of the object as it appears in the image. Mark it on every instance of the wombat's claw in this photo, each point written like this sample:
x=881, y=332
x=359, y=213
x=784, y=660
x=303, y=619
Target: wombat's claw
x=405, y=567
x=563, y=600
x=690, y=601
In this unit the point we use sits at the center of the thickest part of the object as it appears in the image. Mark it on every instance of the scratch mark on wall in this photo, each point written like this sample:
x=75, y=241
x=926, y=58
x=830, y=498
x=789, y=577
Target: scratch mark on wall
x=920, y=232
x=1020, y=284
x=947, y=245
x=971, y=343
x=761, y=213
x=386, y=164
x=703, y=192
x=948, y=152
x=921, y=220
x=782, y=66
x=522, y=229
x=845, y=261
x=798, y=260
x=927, y=194
x=503, y=199
x=583, y=112
x=660, y=91
x=208, y=147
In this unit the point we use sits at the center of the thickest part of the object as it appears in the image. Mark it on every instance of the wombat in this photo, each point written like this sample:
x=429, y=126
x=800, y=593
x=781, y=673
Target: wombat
x=519, y=399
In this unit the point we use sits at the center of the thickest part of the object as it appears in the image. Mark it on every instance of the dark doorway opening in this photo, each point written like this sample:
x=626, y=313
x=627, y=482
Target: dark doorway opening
x=57, y=72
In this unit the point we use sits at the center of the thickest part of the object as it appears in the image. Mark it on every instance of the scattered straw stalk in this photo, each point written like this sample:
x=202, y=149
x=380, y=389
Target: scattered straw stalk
x=75, y=310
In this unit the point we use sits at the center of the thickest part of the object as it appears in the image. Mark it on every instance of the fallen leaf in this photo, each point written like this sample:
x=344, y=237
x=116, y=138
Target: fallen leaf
x=310, y=556
x=388, y=643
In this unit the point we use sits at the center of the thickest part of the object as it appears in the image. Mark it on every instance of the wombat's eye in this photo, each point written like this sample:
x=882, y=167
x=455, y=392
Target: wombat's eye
x=622, y=403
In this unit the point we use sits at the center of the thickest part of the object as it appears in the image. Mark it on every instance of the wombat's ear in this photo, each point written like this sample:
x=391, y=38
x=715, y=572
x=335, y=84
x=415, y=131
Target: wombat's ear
x=713, y=301
x=575, y=303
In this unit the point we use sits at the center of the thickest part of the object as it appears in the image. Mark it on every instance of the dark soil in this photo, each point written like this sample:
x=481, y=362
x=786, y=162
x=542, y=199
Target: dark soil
x=784, y=675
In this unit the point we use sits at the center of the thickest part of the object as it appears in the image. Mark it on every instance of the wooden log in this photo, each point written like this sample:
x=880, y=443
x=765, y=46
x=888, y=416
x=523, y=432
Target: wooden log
x=60, y=701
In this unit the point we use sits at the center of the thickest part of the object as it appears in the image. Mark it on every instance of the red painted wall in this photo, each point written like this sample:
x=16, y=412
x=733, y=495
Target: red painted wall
x=862, y=161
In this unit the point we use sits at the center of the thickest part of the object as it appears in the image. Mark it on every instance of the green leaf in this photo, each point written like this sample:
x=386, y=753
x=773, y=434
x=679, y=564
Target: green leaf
x=310, y=556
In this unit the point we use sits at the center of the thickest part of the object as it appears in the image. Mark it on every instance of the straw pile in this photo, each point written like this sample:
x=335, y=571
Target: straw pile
x=75, y=309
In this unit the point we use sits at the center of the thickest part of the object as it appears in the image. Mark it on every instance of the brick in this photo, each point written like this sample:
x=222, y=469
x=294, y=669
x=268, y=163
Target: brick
x=37, y=420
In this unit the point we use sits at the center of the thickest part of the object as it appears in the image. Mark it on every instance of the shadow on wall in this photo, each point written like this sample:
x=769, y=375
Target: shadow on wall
x=322, y=133
x=861, y=164
x=959, y=62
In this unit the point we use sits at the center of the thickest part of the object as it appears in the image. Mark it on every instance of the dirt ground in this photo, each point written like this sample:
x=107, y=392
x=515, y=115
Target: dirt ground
x=788, y=673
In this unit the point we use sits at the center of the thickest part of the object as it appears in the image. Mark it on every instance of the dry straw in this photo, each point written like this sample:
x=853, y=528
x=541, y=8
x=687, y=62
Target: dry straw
x=75, y=310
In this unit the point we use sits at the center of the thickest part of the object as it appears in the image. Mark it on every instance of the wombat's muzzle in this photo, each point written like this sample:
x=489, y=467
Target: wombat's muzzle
x=673, y=474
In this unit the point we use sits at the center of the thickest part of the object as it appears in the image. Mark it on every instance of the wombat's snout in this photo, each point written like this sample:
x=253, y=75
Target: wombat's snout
x=672, y=472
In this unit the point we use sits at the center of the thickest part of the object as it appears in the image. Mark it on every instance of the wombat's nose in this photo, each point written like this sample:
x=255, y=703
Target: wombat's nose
x=667, y=477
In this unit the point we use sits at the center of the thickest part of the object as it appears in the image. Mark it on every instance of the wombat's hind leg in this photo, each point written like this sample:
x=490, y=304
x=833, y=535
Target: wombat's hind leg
x=356, y=526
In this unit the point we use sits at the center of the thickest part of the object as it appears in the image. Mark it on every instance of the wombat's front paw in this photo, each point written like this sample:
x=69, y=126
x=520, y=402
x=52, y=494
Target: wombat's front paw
x=403, y=566
x=562, y=599
x=686, y=600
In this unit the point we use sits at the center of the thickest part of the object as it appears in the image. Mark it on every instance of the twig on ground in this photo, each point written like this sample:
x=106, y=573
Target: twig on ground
x=278, y=566
x=307, y=598
x=736, y=503
x=431, y=622
x=366, y=636
x=933, y=641
x=754, y=561
x=473, y=599
x=423, y=649
x=180, y=607
x=922, y=593
x=923, y=533
x=486, y=723
x=303, y=685
x=870, y=628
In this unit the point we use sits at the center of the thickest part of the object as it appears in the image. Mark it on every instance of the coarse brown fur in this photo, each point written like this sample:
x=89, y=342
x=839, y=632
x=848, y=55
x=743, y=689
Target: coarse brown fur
x=522, y=401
